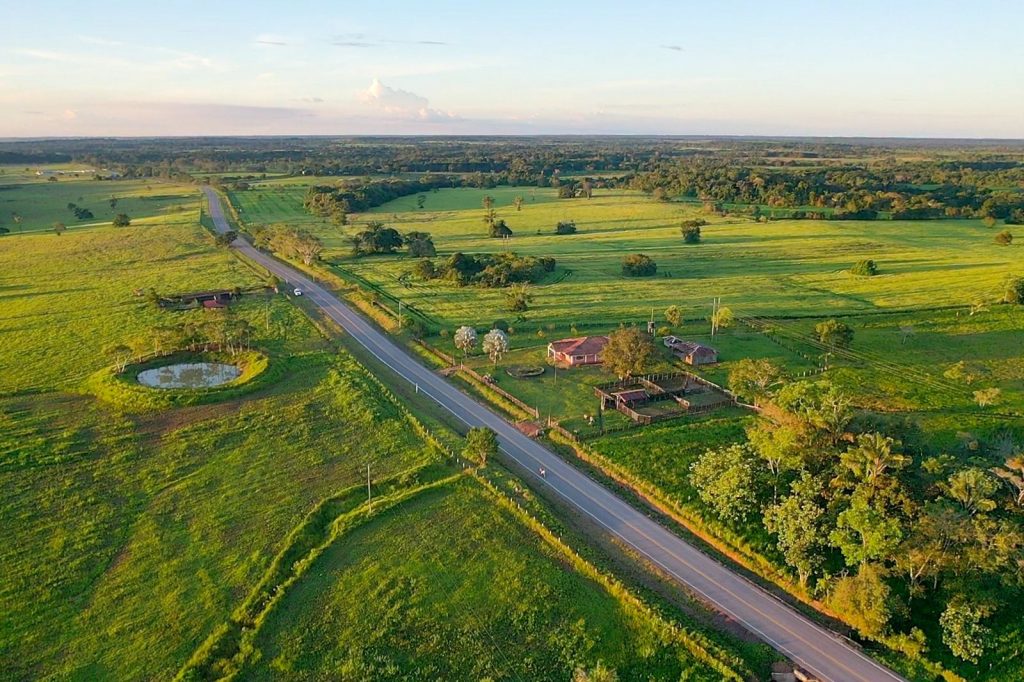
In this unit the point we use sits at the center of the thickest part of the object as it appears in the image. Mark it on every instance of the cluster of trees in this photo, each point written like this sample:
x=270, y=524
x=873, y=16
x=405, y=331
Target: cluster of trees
x=289, y=242
x=81, y=213
x=380, y=239
x=353, y=196
x=217, y=330
x=565, y=227
x=487, y=270
x=885, y=537
x=638, y=265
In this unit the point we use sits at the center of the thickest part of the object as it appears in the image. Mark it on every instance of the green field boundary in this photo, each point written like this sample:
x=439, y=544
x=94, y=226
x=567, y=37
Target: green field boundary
x=225, y=652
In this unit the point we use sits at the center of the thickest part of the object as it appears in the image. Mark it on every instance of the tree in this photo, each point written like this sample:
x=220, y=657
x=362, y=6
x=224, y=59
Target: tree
x=465, y=339
x=599, y=673
x=1013, y=290
x=819, y=405
x=488, y=202
x=565, y=227
x=987, y=397
x=722, y=318
x=481, y=444
x=691, y=230
x=780, y=446
x=873, y=456
x=518, y=297
x=59, y=228
x=1003, y=238
x=420, y=244
x=421, y=201
x=121, y=220
x=627, y=352
x=518, y=203
x=377, y=238
x=754, y=378
x=587, y=188
x=673, y=315
x=638, y=265
x=121, y=354
x=495, y=344
x=864, y=600
x=797, y=522
x=863, y=533
x=424, y=269
x=113, y=203
x=973, y=489
x=864, y=268
x=225, y=238
x=962, y=630
x=728, y=481
x=834, y=334
x=1013, y=473
x=989, y=221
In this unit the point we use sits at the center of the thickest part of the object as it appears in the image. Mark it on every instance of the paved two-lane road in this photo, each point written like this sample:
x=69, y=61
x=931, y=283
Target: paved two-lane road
x=812, y=647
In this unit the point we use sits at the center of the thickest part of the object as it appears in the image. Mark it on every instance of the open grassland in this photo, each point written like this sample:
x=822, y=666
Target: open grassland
x=133, y=537
x=64, y=298
x=40, y=203
x=449, y=585
x=128, y=541
x=778, y=268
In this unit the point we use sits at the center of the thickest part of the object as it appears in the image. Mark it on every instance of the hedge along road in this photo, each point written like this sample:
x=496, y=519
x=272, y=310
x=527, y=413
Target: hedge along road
x=814, y=648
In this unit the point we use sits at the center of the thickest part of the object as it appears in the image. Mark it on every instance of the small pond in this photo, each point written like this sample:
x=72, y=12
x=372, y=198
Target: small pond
x=189, y=375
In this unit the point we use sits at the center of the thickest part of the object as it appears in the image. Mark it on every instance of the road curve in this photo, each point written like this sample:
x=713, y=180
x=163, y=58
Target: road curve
x=814, y=648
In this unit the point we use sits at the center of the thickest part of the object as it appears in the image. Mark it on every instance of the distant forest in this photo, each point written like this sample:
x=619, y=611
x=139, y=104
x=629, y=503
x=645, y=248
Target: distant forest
x=772, y=177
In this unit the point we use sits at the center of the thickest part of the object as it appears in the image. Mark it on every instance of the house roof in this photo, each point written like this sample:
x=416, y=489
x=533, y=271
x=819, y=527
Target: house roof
x=583, y=345
x=687, y=347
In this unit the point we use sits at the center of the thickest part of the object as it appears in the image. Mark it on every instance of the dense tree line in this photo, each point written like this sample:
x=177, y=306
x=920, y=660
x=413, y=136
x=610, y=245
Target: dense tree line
x=885, y=531
x=918, y=192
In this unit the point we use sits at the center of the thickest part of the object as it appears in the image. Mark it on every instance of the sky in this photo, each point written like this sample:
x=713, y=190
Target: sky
x=907, y=68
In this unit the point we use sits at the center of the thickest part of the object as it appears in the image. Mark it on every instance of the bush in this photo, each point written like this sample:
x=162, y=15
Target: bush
x=500, y=324
x=691, y=235
x=120, y=220
x=1004, y=238
x=567, y=227
x=638, y=265
x=864, y=268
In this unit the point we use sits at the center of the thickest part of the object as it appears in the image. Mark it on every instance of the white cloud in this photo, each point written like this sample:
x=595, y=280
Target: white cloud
x=400, y=103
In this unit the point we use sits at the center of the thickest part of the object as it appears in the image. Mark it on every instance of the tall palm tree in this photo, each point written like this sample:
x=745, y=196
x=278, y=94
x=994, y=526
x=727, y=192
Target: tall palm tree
x=872, y=457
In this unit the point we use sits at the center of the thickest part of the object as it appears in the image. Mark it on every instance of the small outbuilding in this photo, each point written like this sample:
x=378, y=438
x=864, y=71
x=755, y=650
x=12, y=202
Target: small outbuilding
x=584, y=350
x=691, y=352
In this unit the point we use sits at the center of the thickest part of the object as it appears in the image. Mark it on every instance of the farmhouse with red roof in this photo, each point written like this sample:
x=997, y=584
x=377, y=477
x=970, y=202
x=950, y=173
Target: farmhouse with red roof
x=584, y=350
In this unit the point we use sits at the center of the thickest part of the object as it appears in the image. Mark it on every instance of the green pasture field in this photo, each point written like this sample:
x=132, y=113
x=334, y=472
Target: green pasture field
x=451, y=586
x=63, y=299
x=132, y=536
x=777, y=268
x=41, y=203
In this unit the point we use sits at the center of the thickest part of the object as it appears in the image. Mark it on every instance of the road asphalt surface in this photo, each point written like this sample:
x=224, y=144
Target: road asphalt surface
x=812, y=647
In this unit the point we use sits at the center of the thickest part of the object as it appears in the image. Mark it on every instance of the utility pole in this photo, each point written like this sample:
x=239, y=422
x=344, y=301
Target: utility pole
x=369, y=496
x=399, y=314
x=714, y=315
